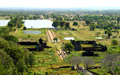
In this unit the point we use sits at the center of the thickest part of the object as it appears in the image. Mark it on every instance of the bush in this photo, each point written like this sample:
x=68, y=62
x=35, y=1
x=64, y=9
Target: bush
x=10, y=38
x=24, y=28
x=28, y=36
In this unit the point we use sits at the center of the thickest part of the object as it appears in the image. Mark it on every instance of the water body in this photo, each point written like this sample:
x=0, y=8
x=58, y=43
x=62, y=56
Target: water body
x=31, y=32
x=32, y=23
x=4, y=22
x=69, y=38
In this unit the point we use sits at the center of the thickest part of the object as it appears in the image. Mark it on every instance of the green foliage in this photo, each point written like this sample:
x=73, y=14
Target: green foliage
x=21, y=66
x=31, y=59
x=97, y=33
x=15, y=52
x=10, y=24
x=75, y=23
x=6, y=62
x=56, y=38
x=68, y=47
x=92, y=27
x=10, y=38
x=62, y=23
x=1, y=68
x=56, y=23
x=114, y=42
x=16, y=22
x=87, y=22
x=3, y=44
x=109, y=33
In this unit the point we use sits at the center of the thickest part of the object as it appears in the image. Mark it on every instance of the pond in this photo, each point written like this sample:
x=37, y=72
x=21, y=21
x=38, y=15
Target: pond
x=32, y=23
x=32, y=32
x=4, y=22
x=99, y=38
x=69, y=38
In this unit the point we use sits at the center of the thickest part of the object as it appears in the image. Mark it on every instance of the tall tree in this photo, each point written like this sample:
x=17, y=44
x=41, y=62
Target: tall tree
x=67, y=25
x=68, y=47
x=75, y=23
x=87, y=22
x=62, y=23
x=56, y=23
x=114, y=42
x=92, y=27
x=118, y=19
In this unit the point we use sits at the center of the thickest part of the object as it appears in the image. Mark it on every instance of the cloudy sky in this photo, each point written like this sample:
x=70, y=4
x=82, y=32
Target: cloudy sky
x=59, y=3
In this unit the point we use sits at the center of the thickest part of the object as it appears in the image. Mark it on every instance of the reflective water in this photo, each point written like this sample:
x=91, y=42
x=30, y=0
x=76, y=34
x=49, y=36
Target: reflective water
x=31, y=32
x=32, y=23
x=69, y=38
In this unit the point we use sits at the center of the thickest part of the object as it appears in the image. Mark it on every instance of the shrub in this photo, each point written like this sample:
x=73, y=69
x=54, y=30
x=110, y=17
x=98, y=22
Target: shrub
x=24, y=28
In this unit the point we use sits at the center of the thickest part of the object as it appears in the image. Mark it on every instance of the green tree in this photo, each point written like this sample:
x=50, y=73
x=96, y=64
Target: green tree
x=87, y=22
x=97, y=33
x=68, y=47
x=4, y=44
x=10, y=24
x=2, y=68
x=118, y=19
x=10, y=38
x=114, y=42
x=92, y=27
x=62, y=23
x=31, y=59
x=6, y=63
x=75, y=23
x=109, y=33
x=15, y=52
x=56, y=23
x=21, y=66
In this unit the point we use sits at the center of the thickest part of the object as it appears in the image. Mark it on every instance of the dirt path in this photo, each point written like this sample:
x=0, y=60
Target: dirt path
x=15, y=32
x=51, y=35
x=77, y=35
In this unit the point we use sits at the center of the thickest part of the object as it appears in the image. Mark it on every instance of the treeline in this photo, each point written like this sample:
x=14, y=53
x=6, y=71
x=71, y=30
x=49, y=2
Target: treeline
x=61, y=23
x=67, y=15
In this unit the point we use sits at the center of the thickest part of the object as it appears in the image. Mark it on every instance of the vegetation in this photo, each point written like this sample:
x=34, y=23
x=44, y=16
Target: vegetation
x=16, y=59
x=68, y=47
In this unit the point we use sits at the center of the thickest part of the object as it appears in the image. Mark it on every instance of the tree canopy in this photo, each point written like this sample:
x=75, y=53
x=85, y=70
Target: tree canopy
x=75, y=23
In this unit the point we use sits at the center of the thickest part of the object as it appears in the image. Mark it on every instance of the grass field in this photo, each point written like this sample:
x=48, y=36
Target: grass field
x=48, y=61
x=33, y=37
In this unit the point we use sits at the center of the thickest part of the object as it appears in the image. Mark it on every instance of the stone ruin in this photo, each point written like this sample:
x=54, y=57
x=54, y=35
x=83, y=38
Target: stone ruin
x=39, y=46
x=89, y=50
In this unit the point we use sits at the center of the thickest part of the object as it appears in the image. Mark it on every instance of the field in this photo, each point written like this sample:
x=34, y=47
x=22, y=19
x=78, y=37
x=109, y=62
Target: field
x=48, y=61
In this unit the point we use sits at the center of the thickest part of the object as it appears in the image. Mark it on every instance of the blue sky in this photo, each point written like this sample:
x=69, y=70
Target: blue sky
x=59, y=3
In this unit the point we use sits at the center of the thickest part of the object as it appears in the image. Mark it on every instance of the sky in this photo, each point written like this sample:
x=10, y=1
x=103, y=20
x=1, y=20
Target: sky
x=59, y=3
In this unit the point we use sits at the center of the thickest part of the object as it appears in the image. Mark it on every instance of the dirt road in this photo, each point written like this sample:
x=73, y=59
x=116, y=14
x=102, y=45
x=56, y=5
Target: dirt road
x=51, y=35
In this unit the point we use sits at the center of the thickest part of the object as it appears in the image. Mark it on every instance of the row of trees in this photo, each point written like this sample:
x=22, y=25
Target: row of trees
x=16, y=22
x=62, y=24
